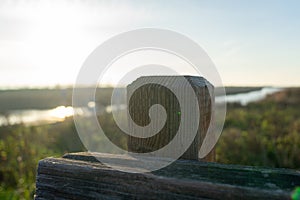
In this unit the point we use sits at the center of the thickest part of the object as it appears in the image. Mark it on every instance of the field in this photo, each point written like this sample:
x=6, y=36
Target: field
x=265, y=133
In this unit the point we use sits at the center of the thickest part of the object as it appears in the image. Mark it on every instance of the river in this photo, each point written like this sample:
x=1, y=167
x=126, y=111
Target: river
x=61, y=112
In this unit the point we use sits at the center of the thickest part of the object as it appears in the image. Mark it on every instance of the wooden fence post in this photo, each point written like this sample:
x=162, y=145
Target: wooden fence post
x=141, y=99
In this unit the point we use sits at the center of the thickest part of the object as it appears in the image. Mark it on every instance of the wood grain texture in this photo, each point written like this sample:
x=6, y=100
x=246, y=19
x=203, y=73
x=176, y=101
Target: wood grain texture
x=142, y=98
x=82, y=176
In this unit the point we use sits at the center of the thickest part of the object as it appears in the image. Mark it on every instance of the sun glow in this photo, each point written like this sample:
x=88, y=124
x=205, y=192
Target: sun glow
x=57, y=36
x=53, y=43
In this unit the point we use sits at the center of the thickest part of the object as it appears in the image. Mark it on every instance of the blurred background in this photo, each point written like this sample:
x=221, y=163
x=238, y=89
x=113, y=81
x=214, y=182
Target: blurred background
x=254, y=45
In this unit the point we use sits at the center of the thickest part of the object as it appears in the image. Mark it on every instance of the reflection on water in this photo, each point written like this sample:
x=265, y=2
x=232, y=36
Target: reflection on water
x=245, y=98
x=60, y=113
x=112, y=108
x=37, y=116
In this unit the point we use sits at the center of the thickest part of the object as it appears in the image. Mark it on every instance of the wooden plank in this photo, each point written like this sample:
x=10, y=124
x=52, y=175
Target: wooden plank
x=81, y=176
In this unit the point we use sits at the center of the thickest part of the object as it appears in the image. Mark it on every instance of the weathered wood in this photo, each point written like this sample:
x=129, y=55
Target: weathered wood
x=140, y=99
x=82, y=176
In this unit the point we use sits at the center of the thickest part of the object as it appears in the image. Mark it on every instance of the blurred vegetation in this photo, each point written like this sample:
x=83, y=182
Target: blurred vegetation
x=47, y=98
x=21, y=148
x=265, y=133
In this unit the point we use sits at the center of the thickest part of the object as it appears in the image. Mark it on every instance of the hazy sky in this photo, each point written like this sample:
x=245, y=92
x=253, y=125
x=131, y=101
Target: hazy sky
x=251, y=42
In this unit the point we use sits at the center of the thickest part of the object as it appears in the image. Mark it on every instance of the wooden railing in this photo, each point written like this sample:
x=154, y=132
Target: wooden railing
x=83, y=176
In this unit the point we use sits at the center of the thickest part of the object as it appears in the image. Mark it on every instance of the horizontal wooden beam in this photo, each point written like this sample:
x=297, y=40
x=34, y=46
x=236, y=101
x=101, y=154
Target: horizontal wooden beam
x=82, y=176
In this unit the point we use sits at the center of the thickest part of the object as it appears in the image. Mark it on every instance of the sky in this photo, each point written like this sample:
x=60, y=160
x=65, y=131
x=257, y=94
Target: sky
x=252, y=43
